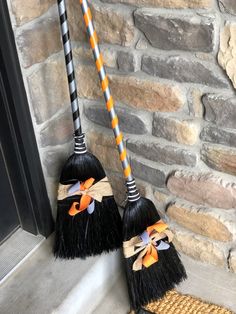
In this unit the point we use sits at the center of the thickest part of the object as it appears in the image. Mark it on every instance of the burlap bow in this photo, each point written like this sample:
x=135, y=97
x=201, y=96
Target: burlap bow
x=146, y=244
x=87, y=190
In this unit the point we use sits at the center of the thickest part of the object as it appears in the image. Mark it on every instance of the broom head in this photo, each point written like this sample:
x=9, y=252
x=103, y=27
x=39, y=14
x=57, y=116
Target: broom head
x=151, y=283
x=86, y=234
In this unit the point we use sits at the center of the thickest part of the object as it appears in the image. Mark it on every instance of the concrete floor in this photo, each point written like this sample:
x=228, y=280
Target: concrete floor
x=43, y=285
x=209, y=283
x=116, y=301
x=18, y=247
x=204, y=281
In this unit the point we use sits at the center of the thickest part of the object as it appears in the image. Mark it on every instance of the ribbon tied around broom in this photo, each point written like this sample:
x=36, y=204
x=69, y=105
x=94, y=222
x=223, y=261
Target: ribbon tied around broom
x=146, y=245
x=88, y=191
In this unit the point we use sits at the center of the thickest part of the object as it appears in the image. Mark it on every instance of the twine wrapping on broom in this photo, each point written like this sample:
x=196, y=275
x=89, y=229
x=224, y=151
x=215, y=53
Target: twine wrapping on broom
x=146, y=245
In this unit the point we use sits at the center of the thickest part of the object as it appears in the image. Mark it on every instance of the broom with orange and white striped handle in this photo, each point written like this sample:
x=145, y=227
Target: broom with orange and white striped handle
x=152, y=263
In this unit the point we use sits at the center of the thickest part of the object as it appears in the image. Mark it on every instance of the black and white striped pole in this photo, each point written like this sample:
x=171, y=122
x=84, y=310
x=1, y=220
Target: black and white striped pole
x=80, y=147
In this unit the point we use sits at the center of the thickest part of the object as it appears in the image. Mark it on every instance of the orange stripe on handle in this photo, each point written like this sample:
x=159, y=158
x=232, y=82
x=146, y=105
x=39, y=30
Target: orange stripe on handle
x=110, y=104
x=127, y=171
x=105, y=84
x=114, y=122
x=99, y=62
x=119, y=139
x=87, y=17
x=123, y=155
x=93, y=40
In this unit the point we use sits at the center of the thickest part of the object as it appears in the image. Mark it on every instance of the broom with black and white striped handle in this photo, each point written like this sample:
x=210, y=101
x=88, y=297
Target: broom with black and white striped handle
x=85, y=225
x=80, y=147
x=160, y=268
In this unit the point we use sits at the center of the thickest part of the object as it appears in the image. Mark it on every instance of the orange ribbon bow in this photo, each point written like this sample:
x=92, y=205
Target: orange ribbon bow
x=85, y=199
x=146, y=245
x=151, y=255
x=88, y=192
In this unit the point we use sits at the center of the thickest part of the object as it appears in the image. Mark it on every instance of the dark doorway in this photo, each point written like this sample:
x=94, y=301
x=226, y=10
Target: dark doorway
x=8, y=211
x=23, y=197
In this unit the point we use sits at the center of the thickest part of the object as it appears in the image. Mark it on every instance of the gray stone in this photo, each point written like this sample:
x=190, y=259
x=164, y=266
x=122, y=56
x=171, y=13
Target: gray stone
x=166, y=154
x=113, y=24
x=226, y=56
x=183, y=70
x=142, y=44
x=203, y=189
x=167, y=4
x=130, y=120
x=148, y=173
x=38, y=40
x=195, y=105
x=126, y=61
x=219, y=158
x=48, y=89
x=176, y=32
x=232, y=260
x=202, y=221
x=228, y=6
x=215, y=135
x=53, y=161
x=25, y=11
x=146, y=94
x=59, y=130
x=172, y=129
x=220, y=110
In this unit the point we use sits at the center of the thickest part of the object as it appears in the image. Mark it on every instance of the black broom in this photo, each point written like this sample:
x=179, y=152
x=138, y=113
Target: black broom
x=152, y=263
x=88, y=222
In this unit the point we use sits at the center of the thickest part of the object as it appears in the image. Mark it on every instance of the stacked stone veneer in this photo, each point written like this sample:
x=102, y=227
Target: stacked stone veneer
x=172, y=67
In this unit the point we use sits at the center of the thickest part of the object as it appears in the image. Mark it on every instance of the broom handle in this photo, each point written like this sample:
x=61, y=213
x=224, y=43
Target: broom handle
x=133, y=194
x=80, y=147
x=69, y=65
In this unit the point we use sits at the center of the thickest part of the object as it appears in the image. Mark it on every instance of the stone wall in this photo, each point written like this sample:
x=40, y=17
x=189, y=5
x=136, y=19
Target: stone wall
x=172, y=70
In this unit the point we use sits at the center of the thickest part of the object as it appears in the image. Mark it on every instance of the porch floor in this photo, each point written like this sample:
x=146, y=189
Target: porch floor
x=15, y=249
x=207, y=282
x=43, y=285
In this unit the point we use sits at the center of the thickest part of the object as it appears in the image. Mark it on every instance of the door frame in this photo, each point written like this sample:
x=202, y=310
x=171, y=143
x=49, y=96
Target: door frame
x=39, y=216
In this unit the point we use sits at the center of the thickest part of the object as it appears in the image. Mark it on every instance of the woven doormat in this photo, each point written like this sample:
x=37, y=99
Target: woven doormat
x=176, y=303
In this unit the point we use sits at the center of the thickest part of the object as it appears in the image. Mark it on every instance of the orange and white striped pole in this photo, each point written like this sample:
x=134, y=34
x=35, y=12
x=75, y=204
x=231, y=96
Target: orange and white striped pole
x=133, y=193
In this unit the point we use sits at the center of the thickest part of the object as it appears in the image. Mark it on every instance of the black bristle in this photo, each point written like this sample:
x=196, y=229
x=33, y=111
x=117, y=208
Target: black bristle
x=149, y=284
x=86, y=234
x=143, y=311
x=81, y=167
